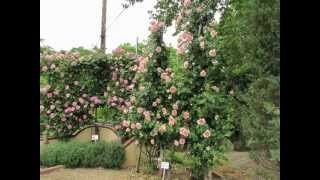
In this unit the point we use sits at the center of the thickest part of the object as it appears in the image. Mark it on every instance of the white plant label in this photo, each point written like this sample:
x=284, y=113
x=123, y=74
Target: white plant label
x=95, y=137
x=164, y=165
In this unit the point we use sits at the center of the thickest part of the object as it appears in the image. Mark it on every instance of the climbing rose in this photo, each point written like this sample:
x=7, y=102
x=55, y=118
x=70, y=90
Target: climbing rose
x=49, y=95
x=164, y=111
x=152, y=141
x=184, y=132
x=182, y=141
x=173, y=89
x=176, y=143
x=179, y=19
x=187, y=3
x=69, y=126
x=133, y=126
x=172, y=121
x=161, y=24
x=138, y=126
x=200, y=8
x=201, y=121
x=174, y=113
x=175, y=106
x=140, y=110
x=185, y=64
x=203, y=73
x=147, y=116
x=44, y=68
x=154, y=104
x=202, y=44
x=206, y=134
x=185, y=115
x=158, y=100
x=141, y=88
x=41, y=108
x=163, y=129
x=212, y=53
x=158, y=49
x=125, y=123
x=213, y=33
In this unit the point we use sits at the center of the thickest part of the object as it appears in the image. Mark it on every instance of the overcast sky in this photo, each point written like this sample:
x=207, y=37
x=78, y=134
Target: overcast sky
x=65, y=24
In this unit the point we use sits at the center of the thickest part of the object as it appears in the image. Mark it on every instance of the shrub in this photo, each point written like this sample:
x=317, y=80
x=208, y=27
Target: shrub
x=75, y=154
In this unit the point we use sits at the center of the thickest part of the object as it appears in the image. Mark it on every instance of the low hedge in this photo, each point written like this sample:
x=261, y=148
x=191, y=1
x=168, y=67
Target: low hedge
x=74, y=154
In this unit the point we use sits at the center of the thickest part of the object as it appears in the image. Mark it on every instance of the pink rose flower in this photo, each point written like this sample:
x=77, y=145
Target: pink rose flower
x=114, y=76
x=158, y=49
x=63, y=119
x=164, y=111
x=200, y=8
x=147, y=116
x=206, y=134
x=49, y=95
x=158, y=116
x=178, y=19
x=202, y=44
x=176, y=142
x=152, y=141
x=44, y=68
x=161, y=24
x=140, y=110
x=132, y=99
x=201, y=121
x=213, y=33
x=125, y=123
x=173, y=89
x=141, y=88
x=163, y=129
x=69, y=126
x=187, y=3
x=174, y=113
x=41, y=108
x=172, y=121
x=133, y=126
x=184, y=132
x=203, y=73
x=175, y=106
x=154, y=104
x=212, y=53
x=186, y=115
x=52, y=107
x=182, y=141
x=185, y=64
x=158, y=100
x=138, y=126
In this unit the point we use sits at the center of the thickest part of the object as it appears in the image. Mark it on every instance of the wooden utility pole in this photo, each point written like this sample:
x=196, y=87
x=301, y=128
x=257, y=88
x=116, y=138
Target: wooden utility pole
x=103, y=26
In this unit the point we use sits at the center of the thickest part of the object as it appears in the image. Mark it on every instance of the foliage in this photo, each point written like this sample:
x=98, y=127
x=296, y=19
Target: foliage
x=249, y=42
x=75, y=154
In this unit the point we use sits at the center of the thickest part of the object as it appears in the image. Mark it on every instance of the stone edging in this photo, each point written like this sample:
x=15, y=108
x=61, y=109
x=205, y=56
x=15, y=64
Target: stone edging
x=50, y=169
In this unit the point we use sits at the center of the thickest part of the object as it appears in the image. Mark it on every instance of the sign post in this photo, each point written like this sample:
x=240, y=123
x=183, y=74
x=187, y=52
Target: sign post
x=164, y=167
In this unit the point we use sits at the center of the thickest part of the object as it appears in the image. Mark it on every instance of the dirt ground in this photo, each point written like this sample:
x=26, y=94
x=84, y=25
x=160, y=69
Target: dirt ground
x=239, y=167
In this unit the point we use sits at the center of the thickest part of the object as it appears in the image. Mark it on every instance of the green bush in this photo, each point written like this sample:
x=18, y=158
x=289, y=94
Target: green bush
x=74, y=154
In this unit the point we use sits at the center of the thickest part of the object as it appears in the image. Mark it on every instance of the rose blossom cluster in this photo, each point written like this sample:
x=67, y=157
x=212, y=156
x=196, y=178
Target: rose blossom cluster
x=142, y=62
x=183, y=41
x=156, y=25
x=166, y=75
x=118, y=51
